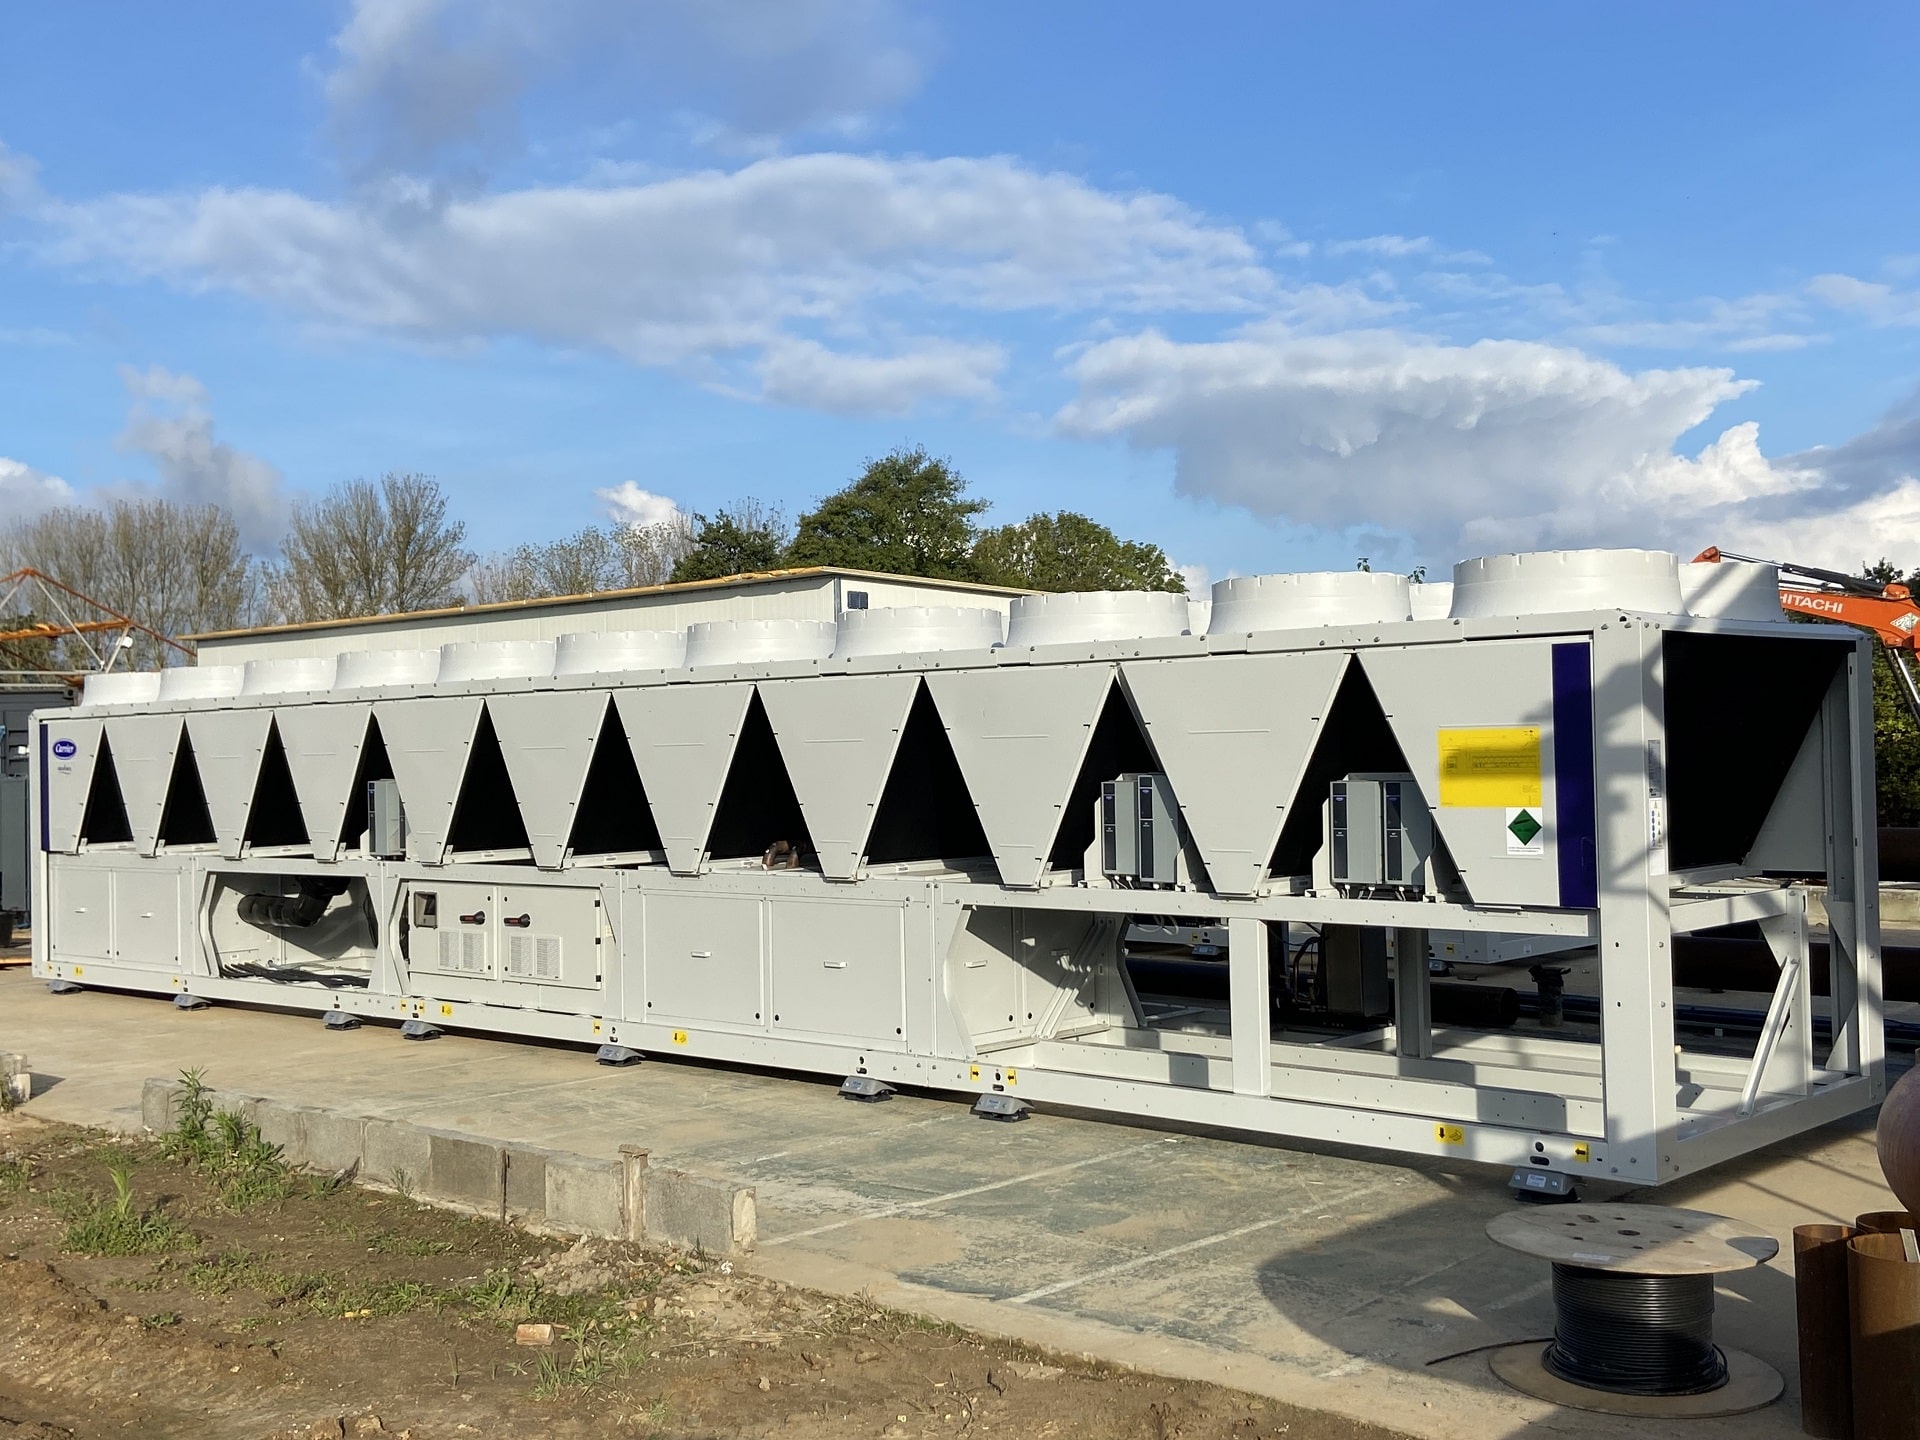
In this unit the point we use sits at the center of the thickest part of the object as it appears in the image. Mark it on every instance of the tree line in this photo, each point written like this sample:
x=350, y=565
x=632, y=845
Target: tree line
x=376, y=547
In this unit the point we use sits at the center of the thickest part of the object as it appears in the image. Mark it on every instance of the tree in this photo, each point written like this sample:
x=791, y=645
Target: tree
x=1065, y=551
x=907, y=514
x=177, y=568
x=749, y=537
x=621, y=557
x=371, y=548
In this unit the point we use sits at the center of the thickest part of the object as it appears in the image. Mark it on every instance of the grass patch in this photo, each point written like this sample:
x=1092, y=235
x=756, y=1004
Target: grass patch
x=102, y=1225
x=226, y=1149
x=323, y=1292
x=594, y=1362
x=16, y=1176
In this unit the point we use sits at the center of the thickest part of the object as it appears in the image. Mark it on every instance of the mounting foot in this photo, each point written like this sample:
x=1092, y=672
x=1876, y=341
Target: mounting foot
x=1000, y=1107
x=64, y=987
x=184, y=1001
x=1543, y=1187
x=616, y=1055
x=419, y=1030
x=865, y=1087
x=340, y=1020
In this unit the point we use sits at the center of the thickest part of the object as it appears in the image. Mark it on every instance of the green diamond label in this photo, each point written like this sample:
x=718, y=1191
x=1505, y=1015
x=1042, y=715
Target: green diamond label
x=1526, y=831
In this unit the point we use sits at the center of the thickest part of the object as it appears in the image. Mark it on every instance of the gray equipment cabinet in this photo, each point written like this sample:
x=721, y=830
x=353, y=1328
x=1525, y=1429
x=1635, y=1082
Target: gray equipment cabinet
x=894, y=866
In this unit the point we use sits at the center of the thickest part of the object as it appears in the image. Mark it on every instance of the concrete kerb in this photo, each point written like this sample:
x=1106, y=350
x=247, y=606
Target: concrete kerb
x=16, y=1079
x=555, y=1190
x=695, y=1213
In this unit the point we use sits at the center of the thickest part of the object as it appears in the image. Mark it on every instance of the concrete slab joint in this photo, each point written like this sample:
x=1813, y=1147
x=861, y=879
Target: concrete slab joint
x=633, y=1161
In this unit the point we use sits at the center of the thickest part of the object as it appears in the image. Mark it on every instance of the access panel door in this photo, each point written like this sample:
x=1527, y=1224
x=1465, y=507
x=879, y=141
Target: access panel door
x=146, y=918
x=81, y=910
x=704, y=960
x=550, y=938
x=839, y=970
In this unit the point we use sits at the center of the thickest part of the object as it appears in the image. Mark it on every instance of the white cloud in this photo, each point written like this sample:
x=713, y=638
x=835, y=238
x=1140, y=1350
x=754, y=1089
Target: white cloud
x=418, y=84
x=1878, y=304
x=1458, y=449
x=727, y=269
x=26, y=492
x=1197, y=578
x=169, y=423
x=627, y=504
x=1386, y=247
x=803, y=373
x=1742, y=326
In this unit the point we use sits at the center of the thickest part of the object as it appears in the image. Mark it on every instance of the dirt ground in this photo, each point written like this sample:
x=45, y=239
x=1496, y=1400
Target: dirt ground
x=162, y=1294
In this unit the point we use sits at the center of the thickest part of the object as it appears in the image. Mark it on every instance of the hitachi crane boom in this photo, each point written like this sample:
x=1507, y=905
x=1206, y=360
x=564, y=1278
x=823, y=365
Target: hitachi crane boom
x=1888, y=610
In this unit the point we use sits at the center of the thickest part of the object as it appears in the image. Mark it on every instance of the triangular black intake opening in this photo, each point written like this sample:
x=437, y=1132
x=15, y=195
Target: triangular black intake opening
x=614, y=816
x=1354, y=738
x=185, y=819
x=1118, y=747
x=487, y=814
x=374, y=765
x=926, y=811
x=274, y=818
x=104, y=821
x=1738, y=708
x=758, y=808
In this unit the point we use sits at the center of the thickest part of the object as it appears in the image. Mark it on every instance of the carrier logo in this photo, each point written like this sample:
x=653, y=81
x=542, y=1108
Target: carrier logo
x=65, y=749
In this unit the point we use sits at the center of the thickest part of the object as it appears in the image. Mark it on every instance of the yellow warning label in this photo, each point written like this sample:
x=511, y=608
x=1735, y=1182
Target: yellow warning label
x=1450, y=1134
x=1012, y=1079
x=1580, y=1152
x=679, y=1037
x=973, y=1072
x=1490, y=766
x=446, y=1009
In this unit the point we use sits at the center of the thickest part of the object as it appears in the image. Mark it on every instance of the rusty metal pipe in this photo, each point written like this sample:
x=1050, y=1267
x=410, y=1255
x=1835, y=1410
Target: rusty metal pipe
x=1883, y=1292
x=1820, y=1299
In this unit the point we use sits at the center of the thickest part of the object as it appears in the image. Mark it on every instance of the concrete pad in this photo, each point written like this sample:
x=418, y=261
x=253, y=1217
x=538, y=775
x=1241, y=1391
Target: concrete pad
x=466, y=1171
x=395, y=1153
x=1321, y=1276
x=584, y=1197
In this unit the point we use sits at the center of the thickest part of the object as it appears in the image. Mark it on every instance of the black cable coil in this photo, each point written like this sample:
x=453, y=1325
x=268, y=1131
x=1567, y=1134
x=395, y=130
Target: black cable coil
x=1634, y=1334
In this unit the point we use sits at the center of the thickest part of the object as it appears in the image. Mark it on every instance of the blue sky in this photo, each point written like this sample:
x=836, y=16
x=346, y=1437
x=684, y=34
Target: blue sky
x=1274, y=286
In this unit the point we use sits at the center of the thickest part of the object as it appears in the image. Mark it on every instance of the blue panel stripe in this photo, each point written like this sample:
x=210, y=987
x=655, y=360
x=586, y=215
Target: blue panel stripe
x=1573, y=784
x=46, y=809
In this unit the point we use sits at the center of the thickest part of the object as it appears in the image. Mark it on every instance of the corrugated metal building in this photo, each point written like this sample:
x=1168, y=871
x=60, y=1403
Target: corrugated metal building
x=817, y=593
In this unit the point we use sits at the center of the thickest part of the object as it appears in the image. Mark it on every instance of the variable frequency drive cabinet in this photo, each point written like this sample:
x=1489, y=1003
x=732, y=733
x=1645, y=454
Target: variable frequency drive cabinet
x=924, y=866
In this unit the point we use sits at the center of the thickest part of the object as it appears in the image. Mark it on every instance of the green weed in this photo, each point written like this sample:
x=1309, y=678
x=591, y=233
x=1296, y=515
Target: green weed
x=226, y=1148
x=97, y=1225
x=594, y=1362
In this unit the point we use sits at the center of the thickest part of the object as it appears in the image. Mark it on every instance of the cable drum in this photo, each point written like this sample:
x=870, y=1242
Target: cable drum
x=1634, y=1334
x=1633, y=1289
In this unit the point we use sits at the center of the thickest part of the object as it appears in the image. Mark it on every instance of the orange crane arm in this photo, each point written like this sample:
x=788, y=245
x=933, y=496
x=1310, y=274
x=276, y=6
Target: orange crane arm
x=1887, y=609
